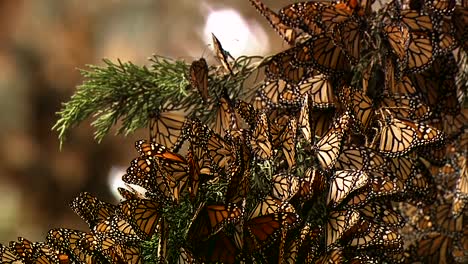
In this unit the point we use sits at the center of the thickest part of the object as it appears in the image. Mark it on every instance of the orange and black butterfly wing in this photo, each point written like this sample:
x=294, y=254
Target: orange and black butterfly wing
x=91, y=209
x=166, y=128
x=219, y=248
x=145, y=173
x=211, y=219
x=199, y=77
x=75, y=243
x=142, y=214
x=155, y=150
x=221, y=54
x=288, y=33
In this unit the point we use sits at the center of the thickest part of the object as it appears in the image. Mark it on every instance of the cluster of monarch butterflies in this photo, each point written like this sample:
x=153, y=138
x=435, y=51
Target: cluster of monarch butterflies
x=114, y=237
x=316, y=167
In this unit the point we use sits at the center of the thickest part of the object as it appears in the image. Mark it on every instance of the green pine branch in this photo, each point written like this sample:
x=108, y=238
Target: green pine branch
x=130, y=94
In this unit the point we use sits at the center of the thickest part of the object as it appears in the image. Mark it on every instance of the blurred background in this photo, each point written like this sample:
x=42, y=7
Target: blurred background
x=43, y=43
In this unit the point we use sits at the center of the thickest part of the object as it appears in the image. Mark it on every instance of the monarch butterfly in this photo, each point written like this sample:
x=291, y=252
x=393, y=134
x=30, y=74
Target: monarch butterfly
x=435, y=247
x=350, y=35
x=199, y=77
x=283, y=134
x=166, y=128
x=145, y=173
x=106, y=246
x=321, y=52
x=129, y=192
x=445, y=37
x=402, y=167
x=226, y=117
x=421, y=184
x=358, y=198
x=91, y=209
x=271, y=91
x=339, y=222
x=420, y=52
x=42, y=253
x=23, y=248
x=333, y=256
x=311, y=185
x=131, y=254
x=399, y=136
x=288, y=142
x=412, y=177
x=115, y=252
x=176, y=174
x=383, y=185
x=281, y=67
x=342, y=183
x=415, y=21
x=197, y=167
x=172, y=165
x=248, y=112
x=359, y=158
x=219, y=248
x=304, y=120
x=404, y=86
x=326, y=17
x=435, y=155
x=290, y=98
x=268, y=205
x=461, y=189
x=154, y=150
x=74, y=242
x=221, y=150
x=413, y=45
x=460, y=248
x=267, y=220
x=142, y=214
x=359, y=105
x=260, y=141
x=259, y=102
x=307, y=241
x=322, y=121
x=7, y=255
x=366, y=235
x=221, y=54
x=302, y=15
x=118, y=229
x=239, y=174
x=442, y=218
x=428, y=88
x=329, y=146
x=398, y=36
x=459, y=21
x=441, y=92
x=407, y=106
x=382, y=213
x=287, y=33
x=320, y=89
x=284, y=186
x=441, y=7
x=30, y=252
x=211, y=219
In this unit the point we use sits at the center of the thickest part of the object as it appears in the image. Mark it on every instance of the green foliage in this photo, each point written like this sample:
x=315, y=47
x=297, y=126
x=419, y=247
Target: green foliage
x=122, y=91
x=131, y=94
